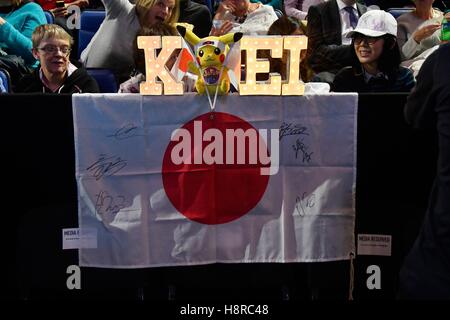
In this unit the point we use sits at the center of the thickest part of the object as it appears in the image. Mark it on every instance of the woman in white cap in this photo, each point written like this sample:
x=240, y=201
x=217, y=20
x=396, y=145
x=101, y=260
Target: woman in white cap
x=376, y=66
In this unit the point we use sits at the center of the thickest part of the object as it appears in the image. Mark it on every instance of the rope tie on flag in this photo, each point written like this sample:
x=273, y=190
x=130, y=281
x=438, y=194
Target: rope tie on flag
x=352, y=277
x=212, y=104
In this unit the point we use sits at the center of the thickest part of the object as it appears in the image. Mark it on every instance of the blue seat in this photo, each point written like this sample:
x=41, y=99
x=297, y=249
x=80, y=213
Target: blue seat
x=397, y=12
x=90, y=21
x=5, y=80
x=105, y=78
x=49, y=16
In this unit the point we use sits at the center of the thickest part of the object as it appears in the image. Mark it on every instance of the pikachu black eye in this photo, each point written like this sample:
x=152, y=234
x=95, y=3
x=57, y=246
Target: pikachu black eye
x=200, y=53
x=217, y=51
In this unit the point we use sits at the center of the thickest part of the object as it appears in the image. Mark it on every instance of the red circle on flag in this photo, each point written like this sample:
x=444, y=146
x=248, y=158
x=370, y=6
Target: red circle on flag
x=214, y=191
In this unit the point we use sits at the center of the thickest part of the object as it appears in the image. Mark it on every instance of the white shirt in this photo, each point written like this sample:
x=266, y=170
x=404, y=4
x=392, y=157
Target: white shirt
x=345, y=20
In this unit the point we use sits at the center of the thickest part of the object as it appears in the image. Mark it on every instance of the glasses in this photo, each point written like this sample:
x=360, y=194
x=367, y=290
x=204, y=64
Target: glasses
x=369, y=40
x=50, y=49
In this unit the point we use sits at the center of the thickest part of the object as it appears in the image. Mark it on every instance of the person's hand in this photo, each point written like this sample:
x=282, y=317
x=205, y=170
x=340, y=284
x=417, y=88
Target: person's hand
x=224, y=6
x=447, y=16
x=425, y=32
x=2, y=21
x=224, y=29
x=59, y=12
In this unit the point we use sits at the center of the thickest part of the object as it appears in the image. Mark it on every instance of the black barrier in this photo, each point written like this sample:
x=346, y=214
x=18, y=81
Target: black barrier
x=394, y=173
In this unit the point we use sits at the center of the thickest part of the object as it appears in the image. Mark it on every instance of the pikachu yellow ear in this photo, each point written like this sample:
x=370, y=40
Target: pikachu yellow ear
x=231, y=37
x=188, y=35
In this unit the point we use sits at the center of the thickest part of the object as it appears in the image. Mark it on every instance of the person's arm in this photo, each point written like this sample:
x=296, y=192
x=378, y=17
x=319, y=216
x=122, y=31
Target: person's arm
x=17, y=41
x=114, y=8
x=322, y=56
x=290, y=7
x=418, y=42
x=419, y=106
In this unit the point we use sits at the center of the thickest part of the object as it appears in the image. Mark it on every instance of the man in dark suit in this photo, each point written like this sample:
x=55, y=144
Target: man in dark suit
x=426, y=270
x=328, y=49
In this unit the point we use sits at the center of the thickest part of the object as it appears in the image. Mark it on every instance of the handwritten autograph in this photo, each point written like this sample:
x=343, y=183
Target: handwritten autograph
x=298, y=147
x=107, y=204
x=304, y=203
x=289, y=129
x=106, y=166
x=127, y=131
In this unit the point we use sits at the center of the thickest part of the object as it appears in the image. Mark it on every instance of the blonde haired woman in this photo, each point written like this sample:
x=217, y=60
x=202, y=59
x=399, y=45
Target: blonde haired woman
x=112, y=45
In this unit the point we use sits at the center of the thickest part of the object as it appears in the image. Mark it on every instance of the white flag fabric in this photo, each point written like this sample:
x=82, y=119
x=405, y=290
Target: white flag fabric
x=151, y=211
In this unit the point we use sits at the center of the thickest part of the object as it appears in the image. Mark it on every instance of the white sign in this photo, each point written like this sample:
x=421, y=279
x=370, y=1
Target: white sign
x=374, y=244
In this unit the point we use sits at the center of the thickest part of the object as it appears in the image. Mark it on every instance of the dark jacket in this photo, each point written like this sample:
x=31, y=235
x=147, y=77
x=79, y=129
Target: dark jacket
x=325, y=49
x=426, y=270
x=78, y=82
x=351, y=79
x=196, y=14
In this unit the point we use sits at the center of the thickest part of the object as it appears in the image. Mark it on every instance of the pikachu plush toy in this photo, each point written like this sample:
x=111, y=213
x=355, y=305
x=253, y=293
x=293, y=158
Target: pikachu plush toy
x=210, y=53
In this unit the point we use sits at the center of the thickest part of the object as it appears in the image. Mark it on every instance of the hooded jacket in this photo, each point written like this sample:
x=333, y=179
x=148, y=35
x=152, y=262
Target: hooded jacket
x=78, y=82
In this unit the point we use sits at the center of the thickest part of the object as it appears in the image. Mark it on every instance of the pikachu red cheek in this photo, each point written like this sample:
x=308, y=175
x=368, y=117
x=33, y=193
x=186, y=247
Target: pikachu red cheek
x=222, y=58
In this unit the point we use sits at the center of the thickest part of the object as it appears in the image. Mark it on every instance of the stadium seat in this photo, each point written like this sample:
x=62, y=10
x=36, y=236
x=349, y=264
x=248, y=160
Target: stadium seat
x=6, y=82
x=49, y=16
x=90, y=21
x=397, y=12
x=105, y=78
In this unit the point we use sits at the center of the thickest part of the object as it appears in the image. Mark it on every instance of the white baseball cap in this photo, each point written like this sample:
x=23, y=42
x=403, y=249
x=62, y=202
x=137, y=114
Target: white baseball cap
x=375, y=23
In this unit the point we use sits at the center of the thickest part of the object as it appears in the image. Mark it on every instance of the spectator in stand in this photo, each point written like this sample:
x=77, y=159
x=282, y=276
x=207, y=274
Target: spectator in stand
x=276, y=4
x=242, y=16
x=329, y=50
x=376, y=58
x=112, y=45
x=419, y=30
x=18, y=19
x=299, y=8
x=51, y=46
x=197, y=15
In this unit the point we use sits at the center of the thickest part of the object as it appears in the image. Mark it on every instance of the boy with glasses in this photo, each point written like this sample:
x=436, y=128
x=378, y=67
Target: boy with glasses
x=56, y=74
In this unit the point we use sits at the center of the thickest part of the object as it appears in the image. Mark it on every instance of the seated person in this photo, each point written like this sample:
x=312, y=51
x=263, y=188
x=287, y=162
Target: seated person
x=376, y=58
x=243, y=16
x=18, y=19
x=419, y=29
x=51, y=46
x=329, y=50
x=132, y=84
